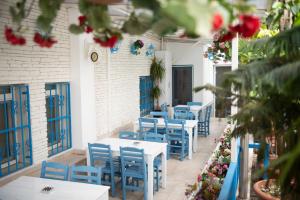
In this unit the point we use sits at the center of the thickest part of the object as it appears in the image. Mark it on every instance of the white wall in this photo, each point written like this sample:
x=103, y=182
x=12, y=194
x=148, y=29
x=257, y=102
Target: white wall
x=192, y=54
x=35, y=66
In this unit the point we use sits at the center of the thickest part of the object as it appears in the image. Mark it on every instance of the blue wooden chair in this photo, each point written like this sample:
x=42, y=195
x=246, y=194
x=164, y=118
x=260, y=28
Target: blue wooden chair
x=128, y=135
x=162, y=115
x=159, y=114
x=194, y=103
x=133, y=168
x=164, y=107
x=53, y=170
x=101, y=155
x=152, y=137
x=86, y=174
x=183, y=113
x=177, y=137
x=204, y=122
x=147, y=125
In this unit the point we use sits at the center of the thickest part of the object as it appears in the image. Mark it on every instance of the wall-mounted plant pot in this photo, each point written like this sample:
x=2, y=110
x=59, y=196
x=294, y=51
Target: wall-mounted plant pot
x=105, y=2
x=263, y=195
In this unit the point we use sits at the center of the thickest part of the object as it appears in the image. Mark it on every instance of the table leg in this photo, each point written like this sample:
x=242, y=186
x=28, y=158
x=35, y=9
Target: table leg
x=150, y=177
x=190, y=132
x=164, y=168
x=195, y=145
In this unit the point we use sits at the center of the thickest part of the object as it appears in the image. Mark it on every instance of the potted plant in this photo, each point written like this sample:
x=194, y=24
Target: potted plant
x=157, y=73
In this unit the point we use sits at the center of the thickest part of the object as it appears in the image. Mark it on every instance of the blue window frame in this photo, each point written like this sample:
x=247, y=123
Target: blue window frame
x=15, y=129
x=146, y=100
x=58, y=117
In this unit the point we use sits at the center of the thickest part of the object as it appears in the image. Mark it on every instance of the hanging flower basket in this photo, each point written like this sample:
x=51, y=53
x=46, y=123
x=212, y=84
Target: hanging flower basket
x=105, y=2
x=136, y=47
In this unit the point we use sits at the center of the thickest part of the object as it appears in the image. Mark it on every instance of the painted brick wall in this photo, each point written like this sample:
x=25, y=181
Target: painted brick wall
x=35, y=66
x=116, y=76
x=117, y=85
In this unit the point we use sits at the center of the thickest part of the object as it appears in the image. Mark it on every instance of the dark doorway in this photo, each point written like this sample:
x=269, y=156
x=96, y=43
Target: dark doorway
x=222, y=106
x=182, y=83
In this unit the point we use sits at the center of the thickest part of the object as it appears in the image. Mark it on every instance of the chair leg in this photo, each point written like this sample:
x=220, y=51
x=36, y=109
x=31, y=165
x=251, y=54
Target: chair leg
x=113, y=186
x=124, y=188
x=145, y=189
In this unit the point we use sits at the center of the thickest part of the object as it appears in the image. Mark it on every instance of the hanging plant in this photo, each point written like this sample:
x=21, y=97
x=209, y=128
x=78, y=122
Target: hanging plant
x=157, y=73
x=136, y=47
x=197, y=18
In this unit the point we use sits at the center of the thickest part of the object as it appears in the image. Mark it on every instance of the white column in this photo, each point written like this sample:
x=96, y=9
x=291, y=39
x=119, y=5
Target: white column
x=234, y=109
x=83, y=104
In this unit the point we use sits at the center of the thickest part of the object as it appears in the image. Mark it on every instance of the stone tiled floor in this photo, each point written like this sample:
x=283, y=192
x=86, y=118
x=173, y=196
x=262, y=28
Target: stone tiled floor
x=182, y=173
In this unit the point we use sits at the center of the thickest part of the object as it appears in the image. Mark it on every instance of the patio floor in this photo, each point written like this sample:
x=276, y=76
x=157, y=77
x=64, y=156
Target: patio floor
x=182, y=173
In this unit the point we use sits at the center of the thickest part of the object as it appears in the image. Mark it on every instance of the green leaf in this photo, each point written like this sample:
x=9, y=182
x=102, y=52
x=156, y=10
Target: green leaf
x=152, y=5
x=73, y=28
x=137, y=25
x=44, y=24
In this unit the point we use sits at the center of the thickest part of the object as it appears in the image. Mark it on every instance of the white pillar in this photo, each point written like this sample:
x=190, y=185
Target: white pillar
x=83, y=104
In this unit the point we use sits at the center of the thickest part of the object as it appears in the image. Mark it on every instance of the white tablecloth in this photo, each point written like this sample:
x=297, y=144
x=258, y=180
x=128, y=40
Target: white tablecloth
x=29, y=188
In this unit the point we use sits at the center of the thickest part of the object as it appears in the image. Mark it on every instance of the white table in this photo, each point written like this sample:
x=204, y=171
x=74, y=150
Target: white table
x=194, y=109
x=151, y=150
x=29, y=188
x=190, y=125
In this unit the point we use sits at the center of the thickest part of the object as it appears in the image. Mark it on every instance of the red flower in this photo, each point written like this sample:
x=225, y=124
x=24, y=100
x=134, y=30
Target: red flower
x=110, y=42
x=12, y=38
x=199, y=178
x=43, y=41
x=249, y=26
x=88, y=29
x=217, y=21
x=227, y=37
x=82, y=20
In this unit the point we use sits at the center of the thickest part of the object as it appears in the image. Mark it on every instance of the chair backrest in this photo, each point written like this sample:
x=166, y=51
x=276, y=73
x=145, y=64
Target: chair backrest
x=159, y=114
x=155, y=137
x=86, y=174
x=53, y=170
x=144, y=125
x=133, y=158
x=181, y=112
x=194, y=103
x=208, y=112
x=164, y=107
x=100, y=155
x=128, y=135
x=175, y=130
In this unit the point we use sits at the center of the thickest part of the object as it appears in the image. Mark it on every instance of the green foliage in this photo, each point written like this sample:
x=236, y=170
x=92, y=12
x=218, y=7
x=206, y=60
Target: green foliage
x=156, y=92
x=157, y=71
x=138, y=24
x=48, y=14
x=75, y=29
x=17, y=12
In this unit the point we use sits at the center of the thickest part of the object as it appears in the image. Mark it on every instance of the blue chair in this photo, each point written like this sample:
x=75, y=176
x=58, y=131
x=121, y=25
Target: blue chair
x=178, y=138
x=133, y=167
x=183, y=113
x=194, y=103
x=86, y=174
x=53, y=170
x=128, y=135
x=204, y=122
x=159, y=114
x=101, y=155
x=152, y=137
x=147, y=125
x=164, y=107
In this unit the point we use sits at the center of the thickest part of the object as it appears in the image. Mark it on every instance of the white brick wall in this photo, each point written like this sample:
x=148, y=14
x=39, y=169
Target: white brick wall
x=35, y=66
x=116, y=79
x=117, y=90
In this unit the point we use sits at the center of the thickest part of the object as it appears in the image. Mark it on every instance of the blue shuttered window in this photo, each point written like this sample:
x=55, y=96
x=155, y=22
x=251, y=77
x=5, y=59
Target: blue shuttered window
x=58, y=117
x=146, y=100
x=15, y=130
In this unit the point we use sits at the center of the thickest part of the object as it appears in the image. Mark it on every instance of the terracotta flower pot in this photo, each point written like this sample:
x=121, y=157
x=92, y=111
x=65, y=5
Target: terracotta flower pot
x=263, y=195
x=105, y=2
